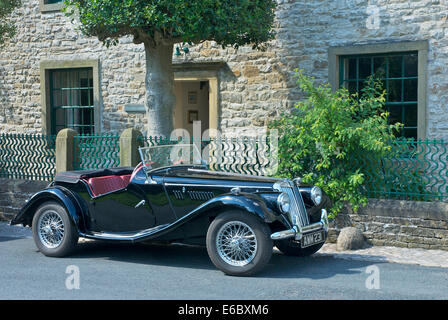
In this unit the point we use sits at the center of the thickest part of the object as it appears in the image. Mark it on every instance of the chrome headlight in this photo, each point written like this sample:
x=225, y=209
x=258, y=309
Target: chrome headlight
x=283, y=202
x=316, y=195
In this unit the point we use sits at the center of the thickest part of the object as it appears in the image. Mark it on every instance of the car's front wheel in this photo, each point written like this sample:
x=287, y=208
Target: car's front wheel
x=53, y=231
x=239, y=243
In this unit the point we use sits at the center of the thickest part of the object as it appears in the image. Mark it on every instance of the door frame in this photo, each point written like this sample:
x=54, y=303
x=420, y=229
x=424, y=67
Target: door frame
x=203, y=72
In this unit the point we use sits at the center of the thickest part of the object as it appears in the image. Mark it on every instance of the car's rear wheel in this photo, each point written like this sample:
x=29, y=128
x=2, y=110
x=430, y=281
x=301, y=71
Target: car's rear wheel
x=239, y=243
x=290, y=247
x=53, y=231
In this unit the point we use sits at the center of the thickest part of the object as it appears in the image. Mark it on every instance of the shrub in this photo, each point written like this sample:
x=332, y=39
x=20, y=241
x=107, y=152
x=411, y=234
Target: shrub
x=329, y=137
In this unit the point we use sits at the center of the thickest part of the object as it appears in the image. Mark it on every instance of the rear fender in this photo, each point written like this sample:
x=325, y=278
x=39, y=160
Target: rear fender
x=55, y=193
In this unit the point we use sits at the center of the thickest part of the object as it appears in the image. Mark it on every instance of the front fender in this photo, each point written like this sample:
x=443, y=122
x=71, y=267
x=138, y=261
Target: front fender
x=248, y=202
x=55, y=193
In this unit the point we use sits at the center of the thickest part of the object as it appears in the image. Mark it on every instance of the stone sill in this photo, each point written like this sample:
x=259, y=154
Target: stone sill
x=51, y=7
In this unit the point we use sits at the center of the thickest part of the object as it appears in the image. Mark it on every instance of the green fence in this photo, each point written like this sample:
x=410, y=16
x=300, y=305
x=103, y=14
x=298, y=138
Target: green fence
x=96, y=151
x=245, y=155
x=412, y=170
x=27, y=156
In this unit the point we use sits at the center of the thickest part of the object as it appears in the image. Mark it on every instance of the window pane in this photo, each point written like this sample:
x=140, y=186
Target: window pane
x=379, y=67
x=395, y=114
x=351, y=68
x=410, y=90
x=365, y=68
x=362, y=86
x=410, y=133
x=410, y=115
x=410, y=65
x=395, y=66
x=394, y=91
x=352, y=87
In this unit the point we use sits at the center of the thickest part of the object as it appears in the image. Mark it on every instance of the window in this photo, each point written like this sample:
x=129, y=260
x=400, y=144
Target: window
x=70, y=95
x=71, y=100
x=398, y=73
x=401, y=66
x=51, y=5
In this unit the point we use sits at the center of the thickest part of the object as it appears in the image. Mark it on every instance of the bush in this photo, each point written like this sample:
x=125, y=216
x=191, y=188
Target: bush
x=329, y=137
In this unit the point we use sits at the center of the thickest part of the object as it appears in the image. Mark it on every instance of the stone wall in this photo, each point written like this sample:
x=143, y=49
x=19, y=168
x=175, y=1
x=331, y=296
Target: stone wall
x=254, y=86
x=13, y=194
x=51, y=36
x=411, y=224
x=262, y=84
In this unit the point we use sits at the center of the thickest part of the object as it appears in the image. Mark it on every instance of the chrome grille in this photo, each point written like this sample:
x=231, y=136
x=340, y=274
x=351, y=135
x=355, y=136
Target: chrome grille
x=297, y=211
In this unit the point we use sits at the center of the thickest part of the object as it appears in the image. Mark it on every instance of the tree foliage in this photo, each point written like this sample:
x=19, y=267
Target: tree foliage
x=329, y=137
x=7, y=29
x=229, y=22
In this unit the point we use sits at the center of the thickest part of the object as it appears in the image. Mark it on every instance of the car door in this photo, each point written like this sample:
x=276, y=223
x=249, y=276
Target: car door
x=125, y=210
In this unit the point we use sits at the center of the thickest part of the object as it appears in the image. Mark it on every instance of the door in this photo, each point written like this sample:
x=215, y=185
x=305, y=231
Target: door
x=125, y=210
x=192, y=104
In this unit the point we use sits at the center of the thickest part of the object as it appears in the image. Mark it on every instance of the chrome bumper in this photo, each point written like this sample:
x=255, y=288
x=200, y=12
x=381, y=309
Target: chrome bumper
x=298, y=231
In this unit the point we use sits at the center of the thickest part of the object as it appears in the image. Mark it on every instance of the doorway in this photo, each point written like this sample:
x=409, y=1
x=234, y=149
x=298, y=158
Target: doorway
x=192, y=104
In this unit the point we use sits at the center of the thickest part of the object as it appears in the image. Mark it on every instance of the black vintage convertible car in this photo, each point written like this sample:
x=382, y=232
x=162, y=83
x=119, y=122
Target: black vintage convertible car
x=238, y=217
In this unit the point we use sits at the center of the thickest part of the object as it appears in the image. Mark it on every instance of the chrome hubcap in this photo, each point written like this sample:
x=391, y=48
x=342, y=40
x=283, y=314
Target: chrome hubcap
x=50, y=229
x=236, y=243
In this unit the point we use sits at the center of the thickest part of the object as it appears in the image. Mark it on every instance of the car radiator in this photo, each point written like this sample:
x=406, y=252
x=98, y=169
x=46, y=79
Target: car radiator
x=297, y=212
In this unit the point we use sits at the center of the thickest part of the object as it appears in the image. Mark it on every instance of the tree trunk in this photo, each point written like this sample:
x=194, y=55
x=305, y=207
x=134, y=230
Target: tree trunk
x=159, y=83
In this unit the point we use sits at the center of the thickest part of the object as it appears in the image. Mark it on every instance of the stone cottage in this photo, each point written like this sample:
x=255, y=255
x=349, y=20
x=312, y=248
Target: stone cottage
x=53, y=77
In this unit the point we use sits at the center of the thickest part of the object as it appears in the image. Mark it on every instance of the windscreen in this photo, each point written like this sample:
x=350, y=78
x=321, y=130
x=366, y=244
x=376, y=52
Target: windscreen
x=169, y=155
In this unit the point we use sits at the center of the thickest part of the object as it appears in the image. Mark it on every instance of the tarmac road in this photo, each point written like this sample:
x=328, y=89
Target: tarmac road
x=121, y=271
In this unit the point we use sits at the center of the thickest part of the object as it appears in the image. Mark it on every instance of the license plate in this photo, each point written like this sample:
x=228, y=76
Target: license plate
x=312, y=238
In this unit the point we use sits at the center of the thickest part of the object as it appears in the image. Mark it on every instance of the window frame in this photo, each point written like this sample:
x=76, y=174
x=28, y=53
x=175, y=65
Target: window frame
x=421, y=47
x=49, y=65
x=49, y=7
x=78, y=91
x=388, y=79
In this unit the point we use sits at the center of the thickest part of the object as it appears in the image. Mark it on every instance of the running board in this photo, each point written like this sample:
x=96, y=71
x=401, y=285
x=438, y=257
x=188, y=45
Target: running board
x=125, y=236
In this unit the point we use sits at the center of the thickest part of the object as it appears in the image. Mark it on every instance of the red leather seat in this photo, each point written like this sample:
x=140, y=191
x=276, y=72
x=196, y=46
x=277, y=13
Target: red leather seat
x=106, y=184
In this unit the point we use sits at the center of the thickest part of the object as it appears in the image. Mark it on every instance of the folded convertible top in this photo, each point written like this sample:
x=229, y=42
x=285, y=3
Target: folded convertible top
x=75, y=176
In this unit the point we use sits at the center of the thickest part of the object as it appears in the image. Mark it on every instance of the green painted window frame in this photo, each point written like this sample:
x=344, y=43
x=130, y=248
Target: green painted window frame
x=46, y=69
x=389, y=48
x=75, y=91
x=388, y=79
x=51, y=5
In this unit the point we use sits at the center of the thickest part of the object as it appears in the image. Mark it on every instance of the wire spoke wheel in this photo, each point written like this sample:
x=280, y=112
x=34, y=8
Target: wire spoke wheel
x=236, y=243
x=51, y=229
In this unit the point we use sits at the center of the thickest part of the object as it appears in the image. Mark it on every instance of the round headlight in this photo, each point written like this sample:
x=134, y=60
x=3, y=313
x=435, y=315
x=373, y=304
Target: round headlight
x=283, y=202
x=316, y=195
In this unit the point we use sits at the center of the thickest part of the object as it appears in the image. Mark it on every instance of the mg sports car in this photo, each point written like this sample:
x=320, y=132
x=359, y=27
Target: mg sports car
x=239, y=218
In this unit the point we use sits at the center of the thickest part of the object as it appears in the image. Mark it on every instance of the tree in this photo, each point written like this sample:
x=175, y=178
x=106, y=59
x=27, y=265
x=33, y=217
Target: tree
x=7, y=29
x=159, y=24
